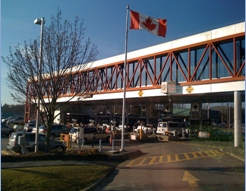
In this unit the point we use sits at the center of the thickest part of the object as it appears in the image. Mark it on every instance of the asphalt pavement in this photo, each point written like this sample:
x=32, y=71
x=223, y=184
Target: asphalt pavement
x=131, y=149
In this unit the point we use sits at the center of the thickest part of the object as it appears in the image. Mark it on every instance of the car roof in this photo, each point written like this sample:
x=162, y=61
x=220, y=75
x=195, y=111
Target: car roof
x=21, y=132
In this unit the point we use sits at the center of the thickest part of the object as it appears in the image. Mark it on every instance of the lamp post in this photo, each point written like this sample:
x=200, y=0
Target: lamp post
x=229, y=117
x=39, y=22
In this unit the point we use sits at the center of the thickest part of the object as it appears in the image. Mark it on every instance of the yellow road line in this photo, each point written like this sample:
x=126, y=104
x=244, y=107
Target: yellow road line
x=152, y=160
x=168, y=158
x=160, y=159
x=194, y=154
x=176, y=157
x=186, y=156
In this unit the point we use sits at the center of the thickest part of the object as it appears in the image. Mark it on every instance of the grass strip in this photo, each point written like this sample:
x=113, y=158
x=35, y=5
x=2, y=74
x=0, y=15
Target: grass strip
x=52, y=178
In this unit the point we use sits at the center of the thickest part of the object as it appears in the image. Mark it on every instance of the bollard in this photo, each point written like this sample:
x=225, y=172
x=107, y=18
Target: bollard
x=100, y=145
x=113, y=145
x=83, y=140
x=141, y=132
x=93, y=136
x=79, y=142
x=183, y=133
x=110, y=139
x=71, y=141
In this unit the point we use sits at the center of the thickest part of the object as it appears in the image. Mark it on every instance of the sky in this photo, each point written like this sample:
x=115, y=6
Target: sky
x=105, y=22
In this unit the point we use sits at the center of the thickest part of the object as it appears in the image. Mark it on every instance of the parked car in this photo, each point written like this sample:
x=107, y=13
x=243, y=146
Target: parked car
x=30, y=125
x=16, y=120
x=56, y=130
x=223, y=125
x=41, y=129
x=203, y=134
x=30, y=142
x=128, y=127
x=18, y=127
x=173, y=128
x=88, y=131
x=7, y=119
x=6, y=130
x=146, y=128
x=119, y=128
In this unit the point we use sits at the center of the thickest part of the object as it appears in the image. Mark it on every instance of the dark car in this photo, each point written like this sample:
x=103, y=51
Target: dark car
x=29, y=126
x=6, y=130
x=7, y=119
x=30, y=142
x=56, y=130
x=16, y=120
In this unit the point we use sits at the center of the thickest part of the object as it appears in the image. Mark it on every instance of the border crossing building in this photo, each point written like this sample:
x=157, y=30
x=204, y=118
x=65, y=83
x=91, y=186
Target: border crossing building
x=204, y=68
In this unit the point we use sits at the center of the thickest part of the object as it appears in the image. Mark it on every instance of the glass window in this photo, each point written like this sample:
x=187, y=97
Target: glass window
x=42, y=137
x=173, y=125
x=30, y=137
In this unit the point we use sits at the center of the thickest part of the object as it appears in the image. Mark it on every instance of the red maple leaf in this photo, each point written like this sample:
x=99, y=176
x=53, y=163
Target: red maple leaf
x=148, y=24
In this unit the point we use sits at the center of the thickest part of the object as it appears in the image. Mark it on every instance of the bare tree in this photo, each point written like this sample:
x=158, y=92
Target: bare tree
x=66, y=52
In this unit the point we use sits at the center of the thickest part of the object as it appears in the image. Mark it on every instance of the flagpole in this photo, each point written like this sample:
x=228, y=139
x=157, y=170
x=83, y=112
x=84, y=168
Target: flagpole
x=124, y=83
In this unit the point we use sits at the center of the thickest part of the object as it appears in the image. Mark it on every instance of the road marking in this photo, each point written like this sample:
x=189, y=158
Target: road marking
x=160, y=159
x=190, y=178
x=176, y=157
x=169, y=158
x=150, y=160
x=186, y=156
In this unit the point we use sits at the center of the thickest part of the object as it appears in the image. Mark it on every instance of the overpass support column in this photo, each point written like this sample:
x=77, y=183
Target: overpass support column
x=200, y=115
x=237, y=119
x=147, y=112
x=171, y=110
x=58, y=118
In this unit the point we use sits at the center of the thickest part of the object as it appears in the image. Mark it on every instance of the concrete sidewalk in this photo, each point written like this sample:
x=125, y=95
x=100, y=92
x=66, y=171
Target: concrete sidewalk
x=132, y=149
x=114, y=156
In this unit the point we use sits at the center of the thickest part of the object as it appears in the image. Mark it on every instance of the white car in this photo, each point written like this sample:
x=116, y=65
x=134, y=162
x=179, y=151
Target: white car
x=88, y=135
x=74, y=134
x=18, y=127
x=120, y=127
x=146, y=129
x=203, y=135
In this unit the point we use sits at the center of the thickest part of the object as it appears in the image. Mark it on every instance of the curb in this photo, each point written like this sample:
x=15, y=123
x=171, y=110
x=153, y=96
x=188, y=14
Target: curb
x=9, y=152
x=95, y=185
x=237, y=157
x=116, y=156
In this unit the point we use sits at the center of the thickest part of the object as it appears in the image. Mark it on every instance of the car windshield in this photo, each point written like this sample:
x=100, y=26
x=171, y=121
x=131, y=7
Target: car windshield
x=14, y=135
x=73, y=130
x=173, y=125
x=42, y=127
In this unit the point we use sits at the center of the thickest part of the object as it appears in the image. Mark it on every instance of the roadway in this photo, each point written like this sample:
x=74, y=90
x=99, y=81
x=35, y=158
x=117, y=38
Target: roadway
x=174, y=165
x=177, y=166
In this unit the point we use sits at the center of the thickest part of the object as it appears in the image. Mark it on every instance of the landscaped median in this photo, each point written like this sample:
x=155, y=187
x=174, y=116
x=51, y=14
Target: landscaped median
x=55, y=178
x=80, y=174
x=88, y=154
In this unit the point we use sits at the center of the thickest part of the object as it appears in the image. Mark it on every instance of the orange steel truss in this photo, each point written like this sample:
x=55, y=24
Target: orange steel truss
x=214, y=61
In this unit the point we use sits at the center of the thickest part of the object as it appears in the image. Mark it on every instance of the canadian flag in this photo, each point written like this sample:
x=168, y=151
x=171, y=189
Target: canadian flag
x=153, y=25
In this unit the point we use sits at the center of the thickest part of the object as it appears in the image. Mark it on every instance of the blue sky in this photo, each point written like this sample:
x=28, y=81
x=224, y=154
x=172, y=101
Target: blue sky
x=105, y=21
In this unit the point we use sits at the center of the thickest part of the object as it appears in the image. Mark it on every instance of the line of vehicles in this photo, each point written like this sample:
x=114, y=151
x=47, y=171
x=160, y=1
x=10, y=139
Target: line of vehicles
x=103, y=132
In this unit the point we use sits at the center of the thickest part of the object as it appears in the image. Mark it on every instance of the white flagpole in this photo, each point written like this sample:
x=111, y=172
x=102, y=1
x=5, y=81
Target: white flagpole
x=124, y=83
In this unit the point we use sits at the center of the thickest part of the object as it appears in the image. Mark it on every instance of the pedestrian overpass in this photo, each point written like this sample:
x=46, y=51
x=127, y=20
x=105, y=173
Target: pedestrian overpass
x=208, y=67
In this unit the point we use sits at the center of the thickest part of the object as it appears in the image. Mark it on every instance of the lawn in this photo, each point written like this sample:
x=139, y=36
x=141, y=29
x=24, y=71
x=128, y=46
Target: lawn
x=52, y=178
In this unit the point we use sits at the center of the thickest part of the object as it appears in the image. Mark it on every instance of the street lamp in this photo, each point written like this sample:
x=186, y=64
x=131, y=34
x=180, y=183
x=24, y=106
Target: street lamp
x=229, y=117
x=39, y=22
